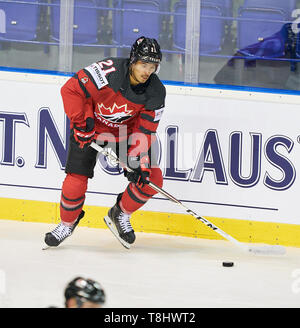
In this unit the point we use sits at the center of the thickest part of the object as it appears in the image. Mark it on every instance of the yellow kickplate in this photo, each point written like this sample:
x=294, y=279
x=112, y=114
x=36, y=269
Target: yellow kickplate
x=158, y=222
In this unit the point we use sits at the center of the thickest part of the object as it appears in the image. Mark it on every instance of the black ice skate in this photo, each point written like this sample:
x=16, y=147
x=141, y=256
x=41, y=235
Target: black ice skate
x=119, y=224
x=61, y=232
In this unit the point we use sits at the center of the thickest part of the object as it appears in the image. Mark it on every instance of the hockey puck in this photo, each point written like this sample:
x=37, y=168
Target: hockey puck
x=227, y=264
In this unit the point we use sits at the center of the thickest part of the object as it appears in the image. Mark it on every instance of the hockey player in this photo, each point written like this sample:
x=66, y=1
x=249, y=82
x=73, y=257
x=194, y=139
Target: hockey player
x=84, y=293
x=119, y=103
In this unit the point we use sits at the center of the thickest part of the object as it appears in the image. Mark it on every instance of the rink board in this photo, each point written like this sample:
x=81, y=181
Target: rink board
x=156, y=222
x=230, y=155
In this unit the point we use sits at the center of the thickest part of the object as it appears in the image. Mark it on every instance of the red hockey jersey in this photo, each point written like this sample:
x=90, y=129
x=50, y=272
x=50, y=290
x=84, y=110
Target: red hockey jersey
x=102, y=90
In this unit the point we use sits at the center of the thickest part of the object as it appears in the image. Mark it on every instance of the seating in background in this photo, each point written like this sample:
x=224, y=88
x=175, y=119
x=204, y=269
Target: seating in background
x=260, y=27
x=297, y=43
x=85, y=22
x=286, y=5
x=21, y=20
x=133, y=20
x=212, y=30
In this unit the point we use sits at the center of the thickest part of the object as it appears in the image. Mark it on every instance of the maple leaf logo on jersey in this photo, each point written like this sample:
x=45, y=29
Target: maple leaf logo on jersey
x=115, y=113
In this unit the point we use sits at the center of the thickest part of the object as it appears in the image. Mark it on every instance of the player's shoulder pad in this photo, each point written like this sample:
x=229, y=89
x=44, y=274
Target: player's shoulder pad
x=155, y=93
x=116, y=69
x=109, y=71
x=96, y=75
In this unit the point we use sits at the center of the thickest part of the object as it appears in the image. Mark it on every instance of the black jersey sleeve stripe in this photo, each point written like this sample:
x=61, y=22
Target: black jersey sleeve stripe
x=83, y=88
x=146, y=131
x=151, y=126
x=147, y=117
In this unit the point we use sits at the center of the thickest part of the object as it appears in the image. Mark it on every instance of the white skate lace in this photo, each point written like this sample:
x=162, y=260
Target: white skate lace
x=124, y=222
x=62, y=231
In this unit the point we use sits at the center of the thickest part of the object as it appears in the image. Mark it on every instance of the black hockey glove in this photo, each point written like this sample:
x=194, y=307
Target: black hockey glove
x=141, y=170
x=84, y=136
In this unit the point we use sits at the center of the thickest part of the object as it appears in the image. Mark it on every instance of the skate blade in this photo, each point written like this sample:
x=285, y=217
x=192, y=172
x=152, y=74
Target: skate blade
x=45, y=247
x=114, y=230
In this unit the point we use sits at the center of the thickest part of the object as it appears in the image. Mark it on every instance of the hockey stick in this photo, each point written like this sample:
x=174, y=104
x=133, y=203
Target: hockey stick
x=257, y=249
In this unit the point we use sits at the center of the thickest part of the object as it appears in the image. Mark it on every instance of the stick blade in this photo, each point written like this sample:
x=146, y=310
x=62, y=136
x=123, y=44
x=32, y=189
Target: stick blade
x=266, y=249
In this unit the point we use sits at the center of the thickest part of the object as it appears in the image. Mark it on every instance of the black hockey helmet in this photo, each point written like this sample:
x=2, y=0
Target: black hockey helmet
x=85, y=290
x=147, y=50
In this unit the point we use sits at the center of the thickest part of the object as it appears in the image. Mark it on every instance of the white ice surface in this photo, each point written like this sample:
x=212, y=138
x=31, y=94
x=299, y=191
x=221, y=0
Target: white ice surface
x=158, y=271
